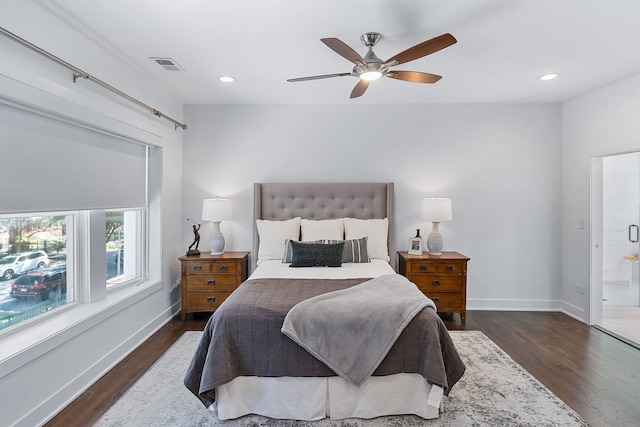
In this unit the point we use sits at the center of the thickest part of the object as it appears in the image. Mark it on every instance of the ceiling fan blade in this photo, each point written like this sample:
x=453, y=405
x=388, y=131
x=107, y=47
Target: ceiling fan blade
x=414, y=76
x=323, y=76
x=359, y=89
x=342, y=49
x=423, y=49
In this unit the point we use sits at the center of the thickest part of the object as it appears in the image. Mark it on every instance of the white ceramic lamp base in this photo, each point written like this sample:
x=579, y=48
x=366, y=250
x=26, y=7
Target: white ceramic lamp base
x=434, y=241
x=216, y=240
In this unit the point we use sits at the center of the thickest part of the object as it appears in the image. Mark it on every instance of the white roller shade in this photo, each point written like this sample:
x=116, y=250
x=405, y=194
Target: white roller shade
x=50, y=165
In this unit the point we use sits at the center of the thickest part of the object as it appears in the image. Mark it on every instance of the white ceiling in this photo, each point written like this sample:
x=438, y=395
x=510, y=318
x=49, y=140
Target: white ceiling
x=502, y=46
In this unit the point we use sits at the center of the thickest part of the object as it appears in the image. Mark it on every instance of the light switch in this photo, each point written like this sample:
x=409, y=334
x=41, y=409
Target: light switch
x=581, y=223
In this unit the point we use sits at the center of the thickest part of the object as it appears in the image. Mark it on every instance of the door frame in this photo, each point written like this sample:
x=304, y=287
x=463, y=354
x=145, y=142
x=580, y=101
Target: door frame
x=596, y=237
x=596, y=223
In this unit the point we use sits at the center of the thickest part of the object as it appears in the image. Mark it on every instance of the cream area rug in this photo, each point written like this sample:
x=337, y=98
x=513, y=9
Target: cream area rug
x=494, y=391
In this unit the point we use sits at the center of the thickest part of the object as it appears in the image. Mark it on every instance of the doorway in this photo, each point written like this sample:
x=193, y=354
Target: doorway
x=616, y=304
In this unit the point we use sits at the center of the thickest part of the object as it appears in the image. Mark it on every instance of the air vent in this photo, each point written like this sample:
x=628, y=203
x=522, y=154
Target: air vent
x=168, y=64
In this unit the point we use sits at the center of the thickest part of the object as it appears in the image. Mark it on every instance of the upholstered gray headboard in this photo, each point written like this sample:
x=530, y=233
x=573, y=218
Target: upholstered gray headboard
x=286, y=200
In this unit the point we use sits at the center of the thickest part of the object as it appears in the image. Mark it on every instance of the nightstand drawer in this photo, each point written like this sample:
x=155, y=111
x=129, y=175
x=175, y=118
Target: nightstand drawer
x=201, y=282
x=446, y=301
x=450, y=268
x=438, y=283
x=224, y=267
x=206, y=301
x=422, y=267
x=211, y=267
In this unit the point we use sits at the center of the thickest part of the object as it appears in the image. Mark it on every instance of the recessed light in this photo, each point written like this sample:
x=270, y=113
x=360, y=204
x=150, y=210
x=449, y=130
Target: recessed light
x=227, y=79
x=549, y=76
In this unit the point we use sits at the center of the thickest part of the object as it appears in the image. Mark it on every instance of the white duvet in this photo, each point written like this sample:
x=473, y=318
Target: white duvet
x=350, y=270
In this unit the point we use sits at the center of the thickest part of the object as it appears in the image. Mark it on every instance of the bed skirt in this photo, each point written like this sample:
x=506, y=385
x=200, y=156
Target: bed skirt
x=316, y=398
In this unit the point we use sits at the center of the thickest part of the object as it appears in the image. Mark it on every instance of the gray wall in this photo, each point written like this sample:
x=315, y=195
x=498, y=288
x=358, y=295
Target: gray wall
x=500, y=165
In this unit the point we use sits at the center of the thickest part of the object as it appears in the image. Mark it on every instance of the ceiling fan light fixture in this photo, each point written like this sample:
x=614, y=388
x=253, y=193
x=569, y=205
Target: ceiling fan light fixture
x=371, y=75
x=549, y=76
x=370, y=71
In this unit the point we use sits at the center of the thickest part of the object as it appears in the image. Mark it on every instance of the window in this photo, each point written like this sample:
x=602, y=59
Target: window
x=38, y=269
x=33, y=266
x=90, y=171
x=124, y=239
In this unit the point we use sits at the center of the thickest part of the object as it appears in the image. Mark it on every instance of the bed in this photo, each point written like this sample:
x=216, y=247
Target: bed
x=280, y=346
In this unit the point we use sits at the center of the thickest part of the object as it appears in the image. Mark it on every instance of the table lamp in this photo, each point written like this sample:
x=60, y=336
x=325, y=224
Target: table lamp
x=436, y=209
x=216, y=210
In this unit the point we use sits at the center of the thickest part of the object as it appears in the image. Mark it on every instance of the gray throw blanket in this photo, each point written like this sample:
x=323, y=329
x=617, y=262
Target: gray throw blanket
x=353, y=329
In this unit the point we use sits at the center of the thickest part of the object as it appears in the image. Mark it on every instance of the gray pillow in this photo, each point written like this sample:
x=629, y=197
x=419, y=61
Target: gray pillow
x=316, y=254
x=355, y=250
x=288, y=249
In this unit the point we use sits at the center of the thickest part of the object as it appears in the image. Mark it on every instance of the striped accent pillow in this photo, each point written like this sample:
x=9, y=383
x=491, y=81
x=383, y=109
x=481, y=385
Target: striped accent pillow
x=355, y=250
x=288, y=251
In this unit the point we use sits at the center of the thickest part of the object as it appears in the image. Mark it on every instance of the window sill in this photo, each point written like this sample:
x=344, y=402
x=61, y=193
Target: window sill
x=20, y=347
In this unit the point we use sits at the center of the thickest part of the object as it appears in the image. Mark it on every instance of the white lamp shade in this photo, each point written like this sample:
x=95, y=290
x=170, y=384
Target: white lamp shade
x=216, y=210
x=436, y=209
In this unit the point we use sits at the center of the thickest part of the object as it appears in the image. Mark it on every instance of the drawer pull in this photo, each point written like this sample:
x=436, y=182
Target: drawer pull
x=424, y=268
x=224, y=267
x=211, y=299
x=436, y=299
x=436, y=283
x=211, y=282
x=197, y=267
x=449, y=268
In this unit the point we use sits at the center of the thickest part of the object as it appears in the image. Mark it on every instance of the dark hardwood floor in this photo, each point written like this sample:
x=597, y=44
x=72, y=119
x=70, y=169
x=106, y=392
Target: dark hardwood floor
x=594, y=373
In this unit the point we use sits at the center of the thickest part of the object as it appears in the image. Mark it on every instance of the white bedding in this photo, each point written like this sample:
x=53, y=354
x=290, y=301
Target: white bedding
x=313, y=398
x=317, y=398
x=350, y=270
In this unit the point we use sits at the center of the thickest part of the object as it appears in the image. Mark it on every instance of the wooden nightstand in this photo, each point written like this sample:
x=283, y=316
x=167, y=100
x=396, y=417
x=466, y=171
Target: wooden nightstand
x=442, y=278
x=207, y=280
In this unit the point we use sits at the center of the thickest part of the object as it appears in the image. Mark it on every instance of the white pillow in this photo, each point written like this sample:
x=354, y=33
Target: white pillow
x=273, y=235
x=377, y=231
x=324, y=229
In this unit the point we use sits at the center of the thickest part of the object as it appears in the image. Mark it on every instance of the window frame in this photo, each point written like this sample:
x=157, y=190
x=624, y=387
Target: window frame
x=140, y=251
x=85, y=260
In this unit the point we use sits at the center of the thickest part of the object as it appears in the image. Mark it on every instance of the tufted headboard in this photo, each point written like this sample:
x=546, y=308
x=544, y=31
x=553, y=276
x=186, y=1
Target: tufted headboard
x=286, y=200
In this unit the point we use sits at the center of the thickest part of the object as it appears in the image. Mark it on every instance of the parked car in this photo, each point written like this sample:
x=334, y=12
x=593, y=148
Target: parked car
x=12, y=265
x=119, y=258
x=45, y=284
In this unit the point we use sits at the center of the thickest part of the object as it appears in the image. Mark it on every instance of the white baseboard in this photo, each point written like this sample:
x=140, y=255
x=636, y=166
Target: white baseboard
x=575, y=312
x=117, y=329
x=527, y=305
x=513, y=304
x=80, y=384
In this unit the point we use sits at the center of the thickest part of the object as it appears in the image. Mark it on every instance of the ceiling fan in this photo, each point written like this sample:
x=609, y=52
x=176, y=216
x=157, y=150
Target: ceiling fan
x=372, y=68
